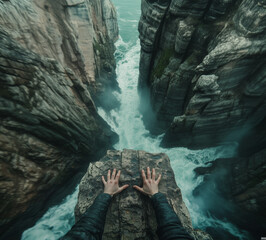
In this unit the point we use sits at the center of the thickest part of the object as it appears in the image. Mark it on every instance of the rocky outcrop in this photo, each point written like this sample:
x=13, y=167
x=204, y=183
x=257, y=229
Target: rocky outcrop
x=204, y=63
x=238, y=185
x=53, y=54
x=131, y=215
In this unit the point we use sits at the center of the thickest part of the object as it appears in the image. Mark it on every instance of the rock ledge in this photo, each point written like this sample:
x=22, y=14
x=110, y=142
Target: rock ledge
x=131, y=215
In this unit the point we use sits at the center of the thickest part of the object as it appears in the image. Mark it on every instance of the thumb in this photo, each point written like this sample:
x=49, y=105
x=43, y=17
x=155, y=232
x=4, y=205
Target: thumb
x=138, y=188
x=122, y=188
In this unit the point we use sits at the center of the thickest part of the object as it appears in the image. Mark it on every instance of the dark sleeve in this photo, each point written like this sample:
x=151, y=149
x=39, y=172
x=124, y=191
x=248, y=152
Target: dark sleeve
x=169, y=225
x=91, y=224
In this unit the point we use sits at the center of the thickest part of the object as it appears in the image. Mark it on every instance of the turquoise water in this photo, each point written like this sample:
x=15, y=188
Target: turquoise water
x=127, y=123
x=128, y=17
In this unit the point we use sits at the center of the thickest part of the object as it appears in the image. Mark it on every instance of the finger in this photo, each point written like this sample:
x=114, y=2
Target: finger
x=113, y=175
x=118, y=175
x=138, y=188
x=123, y=188
x=148, y=173
x=143, y=175
x=159, y=178
x=103, y=180
x=108, y=175
x=153, y=174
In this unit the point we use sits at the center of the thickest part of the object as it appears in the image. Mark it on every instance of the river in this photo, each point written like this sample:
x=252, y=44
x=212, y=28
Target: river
x=127, y=123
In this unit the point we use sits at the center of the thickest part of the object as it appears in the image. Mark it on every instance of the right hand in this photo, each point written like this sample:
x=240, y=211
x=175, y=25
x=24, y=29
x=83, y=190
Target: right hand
x=150, y=185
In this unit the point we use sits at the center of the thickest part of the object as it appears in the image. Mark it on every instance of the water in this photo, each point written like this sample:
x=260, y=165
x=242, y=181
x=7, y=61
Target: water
x=127, y=122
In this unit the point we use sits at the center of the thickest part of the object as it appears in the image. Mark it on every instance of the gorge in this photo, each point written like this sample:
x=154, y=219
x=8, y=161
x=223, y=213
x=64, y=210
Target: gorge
x=200, y=65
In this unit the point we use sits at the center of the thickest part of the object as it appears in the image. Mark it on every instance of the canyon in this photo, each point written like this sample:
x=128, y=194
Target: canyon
x=202, y=70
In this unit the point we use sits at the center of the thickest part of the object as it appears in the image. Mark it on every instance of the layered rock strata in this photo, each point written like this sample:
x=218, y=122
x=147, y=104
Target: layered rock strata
x=51, y=54
x=205, y=65
x=238, y=185
x=131, y=215
x=79, y=34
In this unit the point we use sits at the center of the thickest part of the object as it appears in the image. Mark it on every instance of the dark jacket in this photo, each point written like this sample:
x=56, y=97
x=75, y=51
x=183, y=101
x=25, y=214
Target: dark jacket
x=169, y=225
x=91, y=225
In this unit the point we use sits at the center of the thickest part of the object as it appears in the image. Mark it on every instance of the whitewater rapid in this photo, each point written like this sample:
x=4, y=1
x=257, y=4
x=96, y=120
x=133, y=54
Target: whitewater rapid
x=127, y=122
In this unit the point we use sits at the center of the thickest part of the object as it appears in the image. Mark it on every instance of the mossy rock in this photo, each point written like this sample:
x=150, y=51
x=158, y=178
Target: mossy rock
x=162, y=63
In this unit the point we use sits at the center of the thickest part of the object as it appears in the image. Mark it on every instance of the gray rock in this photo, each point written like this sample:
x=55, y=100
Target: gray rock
x=240, y=185
x=207, y=84
x=183, y=37
x=207, y=67
x=131, y=215
x=49, y=71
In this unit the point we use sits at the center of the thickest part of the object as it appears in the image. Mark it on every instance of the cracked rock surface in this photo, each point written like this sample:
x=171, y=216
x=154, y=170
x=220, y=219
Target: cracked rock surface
x=131, y=215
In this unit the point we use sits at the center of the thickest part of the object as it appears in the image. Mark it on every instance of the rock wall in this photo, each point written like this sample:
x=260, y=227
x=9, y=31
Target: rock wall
x=204, y=63
x=238, y=185
x=53, y=55
x=131, y=215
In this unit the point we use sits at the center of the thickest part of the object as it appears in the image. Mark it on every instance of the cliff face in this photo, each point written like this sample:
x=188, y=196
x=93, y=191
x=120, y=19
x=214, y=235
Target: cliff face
x=78, y=34
x=204, y=64
x=131, y=215
x=52, y=55
x=238, y=185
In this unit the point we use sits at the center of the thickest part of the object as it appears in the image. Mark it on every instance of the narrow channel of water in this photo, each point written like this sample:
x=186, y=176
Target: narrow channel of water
x=127, y=123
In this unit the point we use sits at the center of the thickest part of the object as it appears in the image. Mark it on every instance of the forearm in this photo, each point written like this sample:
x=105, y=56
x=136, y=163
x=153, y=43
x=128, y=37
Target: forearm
x=169, y=225
x=91, y=224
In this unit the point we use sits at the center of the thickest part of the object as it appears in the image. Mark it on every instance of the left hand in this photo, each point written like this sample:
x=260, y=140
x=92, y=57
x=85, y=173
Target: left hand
x=111, y=186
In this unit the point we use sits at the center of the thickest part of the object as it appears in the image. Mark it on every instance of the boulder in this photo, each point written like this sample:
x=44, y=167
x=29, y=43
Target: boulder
x=131, y=215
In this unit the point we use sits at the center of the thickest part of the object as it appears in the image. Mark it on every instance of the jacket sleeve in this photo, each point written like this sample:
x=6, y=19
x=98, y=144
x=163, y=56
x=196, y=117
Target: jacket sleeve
x=169, y=225
x=91, y=224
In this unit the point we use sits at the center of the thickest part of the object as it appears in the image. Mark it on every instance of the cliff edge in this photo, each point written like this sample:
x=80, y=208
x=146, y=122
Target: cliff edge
x=131, y=215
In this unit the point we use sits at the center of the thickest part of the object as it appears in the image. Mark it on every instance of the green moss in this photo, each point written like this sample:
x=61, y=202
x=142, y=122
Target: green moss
x=98, y=47
x=162, y=63
x=5, y=93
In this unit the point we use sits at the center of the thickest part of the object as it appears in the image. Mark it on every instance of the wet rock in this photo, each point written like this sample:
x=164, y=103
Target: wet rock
x=238, y=185
x=131, y=215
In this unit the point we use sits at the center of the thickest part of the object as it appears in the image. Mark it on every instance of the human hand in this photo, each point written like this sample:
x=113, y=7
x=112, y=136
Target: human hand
x=150, y=185
x=112, y=185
